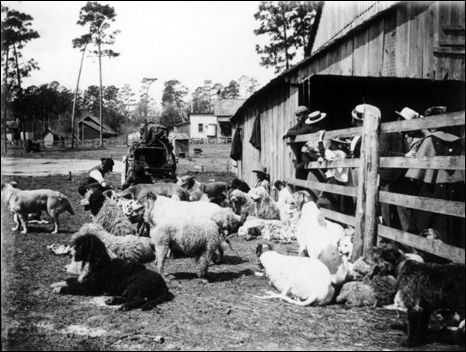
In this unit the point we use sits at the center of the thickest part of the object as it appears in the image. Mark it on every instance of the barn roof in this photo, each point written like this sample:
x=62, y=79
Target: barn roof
x=338, y=19
x=94, y=123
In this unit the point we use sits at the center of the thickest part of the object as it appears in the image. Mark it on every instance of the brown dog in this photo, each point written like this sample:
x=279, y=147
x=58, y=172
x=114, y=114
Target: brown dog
x=25, y=202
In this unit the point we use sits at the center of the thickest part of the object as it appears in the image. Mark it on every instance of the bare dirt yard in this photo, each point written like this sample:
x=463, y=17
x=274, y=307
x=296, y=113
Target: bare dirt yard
x=220, y=315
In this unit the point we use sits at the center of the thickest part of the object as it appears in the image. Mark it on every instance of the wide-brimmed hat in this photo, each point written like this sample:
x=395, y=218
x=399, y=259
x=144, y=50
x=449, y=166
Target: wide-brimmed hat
x=108, y=162
x=301, y=110
x=408, y=114
x=315, y=117
x=262, y=170
x=358, y=112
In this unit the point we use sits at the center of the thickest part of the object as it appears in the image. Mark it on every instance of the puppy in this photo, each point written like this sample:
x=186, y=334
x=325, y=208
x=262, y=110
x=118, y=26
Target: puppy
x=425, y=287
x=25, y=202
x=130, y=284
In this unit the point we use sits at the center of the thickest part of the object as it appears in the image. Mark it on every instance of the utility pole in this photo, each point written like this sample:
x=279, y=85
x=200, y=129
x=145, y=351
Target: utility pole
x=75, y=98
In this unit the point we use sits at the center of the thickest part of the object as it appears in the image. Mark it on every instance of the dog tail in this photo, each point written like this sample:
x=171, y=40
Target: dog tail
x=66, y=204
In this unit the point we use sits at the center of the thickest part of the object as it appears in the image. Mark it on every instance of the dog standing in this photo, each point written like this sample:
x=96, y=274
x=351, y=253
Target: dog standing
x=25, y=202
x=425, y=287
x=129, y=284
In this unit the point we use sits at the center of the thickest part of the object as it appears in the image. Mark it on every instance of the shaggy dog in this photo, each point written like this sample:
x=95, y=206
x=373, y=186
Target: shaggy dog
x=212, y=189
x=424, y=288
x=108, y=214
x=130, y=284
x=133, y=209
x=241, y=204
x=264, y=206
x=172, y=190
x=197, y=237
x=130, y=248
x=306, y=279
x=25, y=202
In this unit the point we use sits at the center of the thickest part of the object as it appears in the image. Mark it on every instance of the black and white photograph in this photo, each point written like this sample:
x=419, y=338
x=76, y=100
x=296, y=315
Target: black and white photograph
x=233, y=176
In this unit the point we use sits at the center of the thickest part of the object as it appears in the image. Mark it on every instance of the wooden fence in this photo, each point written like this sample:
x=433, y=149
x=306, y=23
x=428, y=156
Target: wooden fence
x=367, y=228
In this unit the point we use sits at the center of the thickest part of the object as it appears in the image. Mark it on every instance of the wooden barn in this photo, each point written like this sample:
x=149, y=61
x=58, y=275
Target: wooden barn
x=389, y=54
x=89, y=128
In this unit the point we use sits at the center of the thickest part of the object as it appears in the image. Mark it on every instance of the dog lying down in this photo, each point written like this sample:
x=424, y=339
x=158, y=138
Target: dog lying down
x=129, y=284
x=25, y=202
x=305, y=278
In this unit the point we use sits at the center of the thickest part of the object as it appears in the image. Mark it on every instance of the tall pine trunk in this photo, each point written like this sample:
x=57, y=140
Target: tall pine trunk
x=75, y=98
x=101, y=144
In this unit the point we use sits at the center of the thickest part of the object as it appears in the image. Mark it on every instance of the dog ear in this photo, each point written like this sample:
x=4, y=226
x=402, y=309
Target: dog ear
x=97, y=252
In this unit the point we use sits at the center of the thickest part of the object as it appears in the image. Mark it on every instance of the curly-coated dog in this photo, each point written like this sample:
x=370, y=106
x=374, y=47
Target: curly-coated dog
x=129, y=284
x=106, y=213
x=424, y=288
x=25, y=202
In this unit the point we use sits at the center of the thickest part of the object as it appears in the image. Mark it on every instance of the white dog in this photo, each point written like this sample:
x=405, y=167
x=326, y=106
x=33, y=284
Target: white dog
x=25, y=202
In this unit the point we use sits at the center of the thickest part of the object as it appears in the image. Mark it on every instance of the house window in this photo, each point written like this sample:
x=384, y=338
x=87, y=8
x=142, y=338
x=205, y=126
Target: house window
x=201, y=127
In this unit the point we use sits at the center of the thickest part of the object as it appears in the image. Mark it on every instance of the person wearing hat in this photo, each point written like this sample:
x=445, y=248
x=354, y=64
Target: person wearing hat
x=393, y=180
x=137, y=176
x=307, y=123
x=263, y=179
x=440, y=184
x=96, y=177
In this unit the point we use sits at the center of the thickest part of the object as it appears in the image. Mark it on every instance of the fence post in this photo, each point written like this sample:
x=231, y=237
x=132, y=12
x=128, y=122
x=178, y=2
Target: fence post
x=368, y=185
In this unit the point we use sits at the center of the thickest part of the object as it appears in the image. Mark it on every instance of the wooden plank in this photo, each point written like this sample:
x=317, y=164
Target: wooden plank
x=436, y=162
x=343, y=133
x=338, y=217
x=333, y=164
x=449, y=50
x=435, y=247
x=325, y=187
x=402, y=39
x=361, y=53
x=389, y=46
x=437, y=121
x=346, y=58
x=428, y=41
x=376, y=41
x=438, y=206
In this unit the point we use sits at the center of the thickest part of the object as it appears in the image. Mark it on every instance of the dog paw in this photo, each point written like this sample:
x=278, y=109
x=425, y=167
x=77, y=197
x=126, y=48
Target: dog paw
x=56, y=290
x=124, y=308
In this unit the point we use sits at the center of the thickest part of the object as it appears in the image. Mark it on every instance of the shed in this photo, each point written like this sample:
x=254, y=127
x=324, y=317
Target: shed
x=390, y=54
x=89, y=128
x=50, y=138
x=180, y=142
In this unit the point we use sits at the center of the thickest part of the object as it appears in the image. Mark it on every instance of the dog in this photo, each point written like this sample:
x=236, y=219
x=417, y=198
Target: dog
x=25, y=202
x=423, y=288
x=212, y=189
x=130, y=284
x=171, y=190
x=307, y=279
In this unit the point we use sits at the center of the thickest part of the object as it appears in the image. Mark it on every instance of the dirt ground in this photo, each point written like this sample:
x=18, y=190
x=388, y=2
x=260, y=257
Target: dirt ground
x=220, y=315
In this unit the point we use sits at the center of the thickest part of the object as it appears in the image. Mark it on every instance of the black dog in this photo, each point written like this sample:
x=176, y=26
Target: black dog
x=130, y=284
x=426, y=287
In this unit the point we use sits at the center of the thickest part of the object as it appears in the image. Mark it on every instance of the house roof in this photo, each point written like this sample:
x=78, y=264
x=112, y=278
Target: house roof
x=49, y=130
x=94, y=123
x=227, y=107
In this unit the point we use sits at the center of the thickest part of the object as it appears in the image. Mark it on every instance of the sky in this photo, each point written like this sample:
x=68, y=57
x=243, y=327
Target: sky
x=188, y=41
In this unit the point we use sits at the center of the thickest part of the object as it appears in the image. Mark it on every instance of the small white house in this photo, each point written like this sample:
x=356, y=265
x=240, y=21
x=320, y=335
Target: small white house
x=203, y=125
